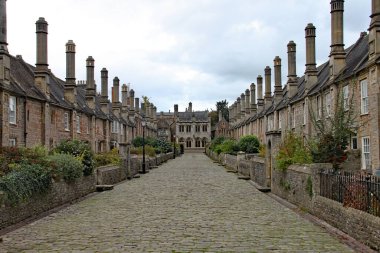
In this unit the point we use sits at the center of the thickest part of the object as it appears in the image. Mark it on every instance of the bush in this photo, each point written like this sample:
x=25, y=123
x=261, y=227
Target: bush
x=79, y=149
x=66, y=166
x=149, y=151
x=229, y=146
x=249, y=144
x=111, y=157
x=215, y=142
x=25, y=181
x=292, y=151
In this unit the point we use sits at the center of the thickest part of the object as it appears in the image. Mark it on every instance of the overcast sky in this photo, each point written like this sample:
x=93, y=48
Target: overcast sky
x=176, y=51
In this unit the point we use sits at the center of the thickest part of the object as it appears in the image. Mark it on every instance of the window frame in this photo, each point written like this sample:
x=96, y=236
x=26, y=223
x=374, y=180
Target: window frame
x=66, y=123
x=366, y=153
x=78, y=123
x=346, y=102
x=364, y=97
x=12, y=110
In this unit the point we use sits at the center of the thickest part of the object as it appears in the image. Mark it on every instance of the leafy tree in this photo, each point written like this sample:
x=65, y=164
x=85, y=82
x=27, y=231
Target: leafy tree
x=223, y=107
x=249, y=144
x=214, y=117
x=333, y=132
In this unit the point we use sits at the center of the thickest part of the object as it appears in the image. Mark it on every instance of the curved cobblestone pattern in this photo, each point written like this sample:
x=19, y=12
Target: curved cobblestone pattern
x=187, y=205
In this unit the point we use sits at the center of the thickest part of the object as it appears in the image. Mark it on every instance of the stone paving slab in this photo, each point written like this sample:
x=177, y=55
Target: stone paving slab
x=188, y=204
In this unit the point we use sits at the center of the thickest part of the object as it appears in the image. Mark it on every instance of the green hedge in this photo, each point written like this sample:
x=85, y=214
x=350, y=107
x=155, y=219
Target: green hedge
x=66, y=166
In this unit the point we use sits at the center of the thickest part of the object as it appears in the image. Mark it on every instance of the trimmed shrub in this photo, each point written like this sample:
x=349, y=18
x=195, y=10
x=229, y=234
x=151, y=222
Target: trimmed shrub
x=249, y=144
x=111, y=157
x=66, y=166
x=149, y=151
x=215, y=142
x=25, y=181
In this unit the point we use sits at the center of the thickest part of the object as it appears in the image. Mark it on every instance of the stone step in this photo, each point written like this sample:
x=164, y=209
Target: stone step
x=259, y=187
x=137, y=176
x=101, y=188
x=244, y=177
x=231, y=171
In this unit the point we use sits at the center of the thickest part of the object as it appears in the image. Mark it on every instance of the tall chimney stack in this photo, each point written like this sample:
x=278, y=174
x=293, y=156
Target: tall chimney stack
x=311, y=69
x=3, y=27
x=247, y=103
x=116, y=91
x=277, y=79
x=42, y=44
x=337, y=54
x=90, y=82
x=374, y=31
x=124, y=96
x=292, y=70
x=175, y=110
x=5, y=62
x=242, y=105
x=132, y=99
x=260, y=100
x=137, y=104
x=190, y=107
x=268, y=86
x=41, y=72
x=104, y=91
x=238, y=109
x=70, y=85
x=253, y=99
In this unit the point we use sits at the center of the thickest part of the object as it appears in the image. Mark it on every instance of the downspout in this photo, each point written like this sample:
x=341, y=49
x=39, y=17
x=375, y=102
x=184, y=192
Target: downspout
x=25, y=119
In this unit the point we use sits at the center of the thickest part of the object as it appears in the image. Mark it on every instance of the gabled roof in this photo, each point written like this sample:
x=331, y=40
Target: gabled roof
x=188, y=116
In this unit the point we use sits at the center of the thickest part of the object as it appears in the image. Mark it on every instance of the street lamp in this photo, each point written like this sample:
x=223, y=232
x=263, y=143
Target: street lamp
x=143, y=123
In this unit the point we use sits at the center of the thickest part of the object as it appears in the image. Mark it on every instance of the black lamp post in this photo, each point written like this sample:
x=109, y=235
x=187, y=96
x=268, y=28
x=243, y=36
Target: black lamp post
x=143, y=123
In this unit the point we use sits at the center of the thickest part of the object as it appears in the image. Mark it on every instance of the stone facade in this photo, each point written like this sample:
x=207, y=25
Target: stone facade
x=349, y=73
x=38, y=108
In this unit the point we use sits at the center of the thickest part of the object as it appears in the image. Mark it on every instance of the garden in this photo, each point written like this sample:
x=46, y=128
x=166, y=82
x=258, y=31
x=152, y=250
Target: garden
x=248, y=144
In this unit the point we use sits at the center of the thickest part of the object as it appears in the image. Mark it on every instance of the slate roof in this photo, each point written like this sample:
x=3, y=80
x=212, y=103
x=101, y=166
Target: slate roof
x=188, y=116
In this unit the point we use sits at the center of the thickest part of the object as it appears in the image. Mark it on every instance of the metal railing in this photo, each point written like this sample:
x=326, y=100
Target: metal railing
x=357, y=190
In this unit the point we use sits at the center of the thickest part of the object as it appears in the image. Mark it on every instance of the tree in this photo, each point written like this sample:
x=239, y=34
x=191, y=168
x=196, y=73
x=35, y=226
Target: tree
x=223, y=107
x=333, y=131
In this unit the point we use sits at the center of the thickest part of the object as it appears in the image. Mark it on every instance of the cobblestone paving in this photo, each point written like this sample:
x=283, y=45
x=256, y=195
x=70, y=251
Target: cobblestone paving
x=186, y=205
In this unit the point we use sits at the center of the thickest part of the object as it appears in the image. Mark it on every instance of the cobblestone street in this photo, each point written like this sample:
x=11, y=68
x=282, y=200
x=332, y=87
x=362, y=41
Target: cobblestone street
x=189, y=204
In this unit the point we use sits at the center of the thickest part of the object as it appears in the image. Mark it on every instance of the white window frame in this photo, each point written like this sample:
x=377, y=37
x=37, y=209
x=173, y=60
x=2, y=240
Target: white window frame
x=366, y=153
x=364, y=96
x=66, y=121
x=12, y=110
x=319, y=107
x=328, y=104
x=115, y=127
x=78, y=124
x=346, y=102
x=12, y=142
x=279, y=120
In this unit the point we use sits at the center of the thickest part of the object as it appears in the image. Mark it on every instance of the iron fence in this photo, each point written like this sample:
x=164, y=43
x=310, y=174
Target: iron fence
x=357, y=190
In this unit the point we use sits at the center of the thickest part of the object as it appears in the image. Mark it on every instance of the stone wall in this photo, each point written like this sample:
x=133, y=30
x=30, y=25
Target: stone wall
x=300, y=185
x=59, y=194
x=360, y=225
x=257, y=172
x=109, y=175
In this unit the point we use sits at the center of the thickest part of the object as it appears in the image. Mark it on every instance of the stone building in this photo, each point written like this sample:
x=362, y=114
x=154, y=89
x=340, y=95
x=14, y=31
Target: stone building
x=349, y=72
x=36, y=107
x=221, y=128
x=193, y=128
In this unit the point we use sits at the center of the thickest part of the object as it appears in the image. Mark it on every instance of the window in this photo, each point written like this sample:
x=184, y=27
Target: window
x=279, y=120
x=319, y=107
x=366, y=153
x=181, y=128
x=354, y=142
x=346, y=103
x=293, y=118
x=197, y=143
x=115, y=127
x=364, y=96
x=304, y=113
x=197, y=129
x=66, y=121
x=12, y=142
x=12, y=110
x=188, y=143
x=328, y=104
x=204, y=128
x=121, y=129
x=204, y=143
x=78, y=124
x=188, y=129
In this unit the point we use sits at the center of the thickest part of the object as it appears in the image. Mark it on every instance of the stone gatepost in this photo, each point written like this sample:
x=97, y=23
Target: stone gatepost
x=125, y=152
x=240, y=157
